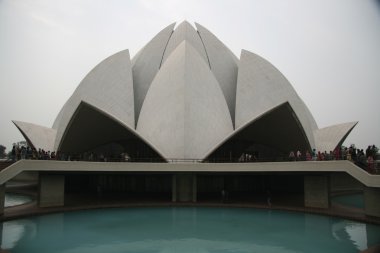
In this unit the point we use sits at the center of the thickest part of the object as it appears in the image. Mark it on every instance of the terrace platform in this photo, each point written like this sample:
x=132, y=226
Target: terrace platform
x=189, y=183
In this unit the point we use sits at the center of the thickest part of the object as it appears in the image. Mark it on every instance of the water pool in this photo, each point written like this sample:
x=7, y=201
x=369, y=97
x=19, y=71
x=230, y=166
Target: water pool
x=192, y=229
x=13, y=199
x=351, y=200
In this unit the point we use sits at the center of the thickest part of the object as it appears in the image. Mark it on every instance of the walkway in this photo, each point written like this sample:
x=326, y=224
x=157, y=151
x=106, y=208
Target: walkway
x=309, y=166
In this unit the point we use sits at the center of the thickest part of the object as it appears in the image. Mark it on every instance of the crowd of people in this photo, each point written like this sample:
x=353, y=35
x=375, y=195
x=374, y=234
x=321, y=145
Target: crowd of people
x=26, y=152
x=364, y=159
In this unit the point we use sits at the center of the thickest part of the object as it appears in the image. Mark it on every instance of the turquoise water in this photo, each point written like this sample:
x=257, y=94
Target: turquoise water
x=12, y=199
x=353, y=200
x=186, y=230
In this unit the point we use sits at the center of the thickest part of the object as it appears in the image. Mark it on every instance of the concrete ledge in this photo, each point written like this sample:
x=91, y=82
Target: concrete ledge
x=310, y=166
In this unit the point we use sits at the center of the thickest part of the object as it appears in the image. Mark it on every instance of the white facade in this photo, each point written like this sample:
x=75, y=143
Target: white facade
x=184, y=95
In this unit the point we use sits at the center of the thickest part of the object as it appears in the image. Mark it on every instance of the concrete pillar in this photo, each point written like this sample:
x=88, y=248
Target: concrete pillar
x=2, y=198
x=174, y=188
x=194, y=188
x=372, y=201
x=184, y=188
x=51, y=190
x=316, y=191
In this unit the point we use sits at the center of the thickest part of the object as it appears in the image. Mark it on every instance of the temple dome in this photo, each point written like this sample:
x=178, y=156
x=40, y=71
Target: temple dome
x=184, y=95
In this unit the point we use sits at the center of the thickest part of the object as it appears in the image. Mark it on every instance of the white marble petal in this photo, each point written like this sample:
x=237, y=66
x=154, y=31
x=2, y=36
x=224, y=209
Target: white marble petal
x=146, y=64
x=224, y=65
x=261, y=86
x=184, y=113
x=328, y=138
x=185, y=32
x=108, y=86
x=38, y=136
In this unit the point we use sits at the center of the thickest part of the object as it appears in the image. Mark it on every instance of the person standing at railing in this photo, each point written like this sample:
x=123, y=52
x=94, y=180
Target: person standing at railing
x=349, y=155
x=23, y=152
x=292, y=156
x=336, y=153
x=314, y=154
x=28, y=153
x=299, y=155
x=320, y=156
x=353, y=152
x=14, y=153
x=371, y=162
x=308, y=155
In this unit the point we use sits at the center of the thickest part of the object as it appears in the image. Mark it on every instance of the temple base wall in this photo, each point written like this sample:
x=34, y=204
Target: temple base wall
x=51, y=190
x=316, y=191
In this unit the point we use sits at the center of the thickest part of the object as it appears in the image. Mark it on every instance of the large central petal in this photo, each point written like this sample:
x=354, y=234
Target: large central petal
x=184, y=113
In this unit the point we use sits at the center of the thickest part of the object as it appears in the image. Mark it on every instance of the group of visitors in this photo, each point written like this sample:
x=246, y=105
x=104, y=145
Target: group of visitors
x=315, y=155
x=26, y=152
x=364, y=159
x=249, y=157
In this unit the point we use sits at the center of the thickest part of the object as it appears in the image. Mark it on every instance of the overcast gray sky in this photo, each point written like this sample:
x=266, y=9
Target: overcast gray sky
x=328, y=50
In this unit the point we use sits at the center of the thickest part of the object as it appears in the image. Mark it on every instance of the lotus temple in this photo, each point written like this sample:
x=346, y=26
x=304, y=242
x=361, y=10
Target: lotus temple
x=183, y=121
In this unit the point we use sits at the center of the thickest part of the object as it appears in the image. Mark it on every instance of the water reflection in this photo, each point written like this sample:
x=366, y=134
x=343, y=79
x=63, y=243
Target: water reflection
x=14, y=231
x=186, y=230
x=357, y=233
x=12, y=199
x=350, y=200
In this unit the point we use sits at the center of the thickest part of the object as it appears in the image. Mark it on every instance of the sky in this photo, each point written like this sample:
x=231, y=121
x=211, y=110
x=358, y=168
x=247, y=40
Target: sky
x=328, y=50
